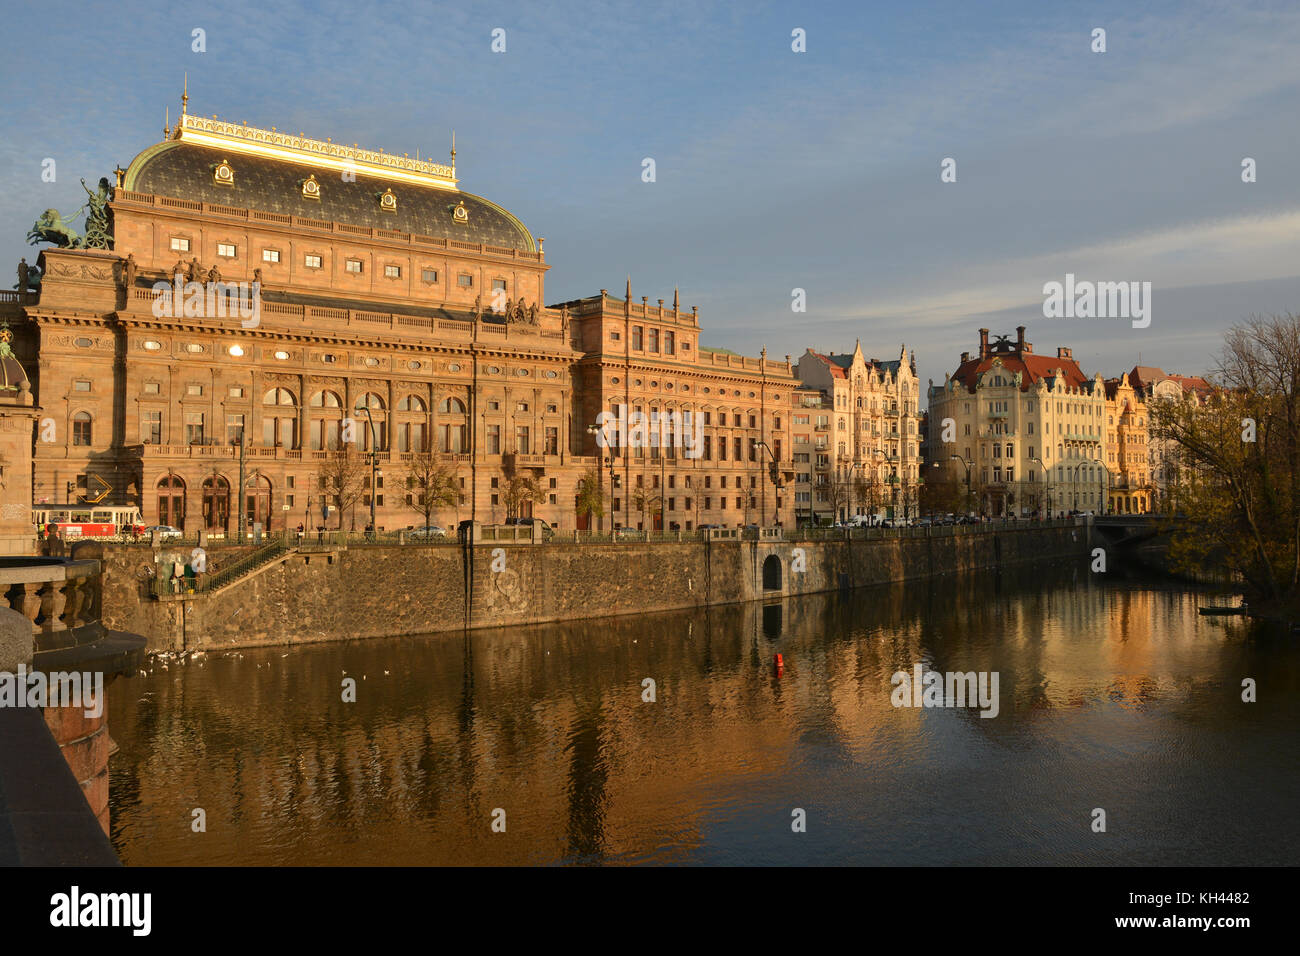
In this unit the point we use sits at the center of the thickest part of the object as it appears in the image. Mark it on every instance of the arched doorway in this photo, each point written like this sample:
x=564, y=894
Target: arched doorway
x=772, y=573
x=171, y=501
x=257, y=503
x=216, y=504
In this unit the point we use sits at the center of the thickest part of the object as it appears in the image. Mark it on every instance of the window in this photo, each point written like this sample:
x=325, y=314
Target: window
x=652, y=337
x=180, y=245
x=494, y=439
x=311, y=262
x=392, y=272
x=429, y=275
x=195, y=390
x=151, y=388
x=194, y=428
x=236, y=391
x=465, y=281
x=151, y=428
x=226, y=250
x=521, y=440
x=498, y=285
x=234, y=429
x=81, y=385
x=668, y=343
x=636, y=336
x=353, y=266
x=270, y=255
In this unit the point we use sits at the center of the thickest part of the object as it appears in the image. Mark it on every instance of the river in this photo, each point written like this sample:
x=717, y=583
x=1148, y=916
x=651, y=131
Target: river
x=538, y=745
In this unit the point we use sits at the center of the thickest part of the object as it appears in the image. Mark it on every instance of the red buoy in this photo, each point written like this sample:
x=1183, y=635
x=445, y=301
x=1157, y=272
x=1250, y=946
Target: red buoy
x=780, y=664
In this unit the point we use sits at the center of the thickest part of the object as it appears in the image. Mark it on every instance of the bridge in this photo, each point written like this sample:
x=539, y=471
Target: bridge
x=1123, y=531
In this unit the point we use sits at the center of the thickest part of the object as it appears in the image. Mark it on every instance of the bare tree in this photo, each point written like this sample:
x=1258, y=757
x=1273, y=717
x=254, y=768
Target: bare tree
x=520, y=490
x=341, y=475
x=430, y=484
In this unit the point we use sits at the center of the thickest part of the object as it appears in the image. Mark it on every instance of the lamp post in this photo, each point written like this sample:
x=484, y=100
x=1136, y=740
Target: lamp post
x=1105, y=471
x=1047, y=479
x=374, y=461
x=240, y=501
x=774, y=474
x=600, y=460
x=967, y=464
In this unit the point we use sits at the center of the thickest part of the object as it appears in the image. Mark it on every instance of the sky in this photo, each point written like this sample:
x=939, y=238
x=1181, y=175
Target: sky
x=775, y=170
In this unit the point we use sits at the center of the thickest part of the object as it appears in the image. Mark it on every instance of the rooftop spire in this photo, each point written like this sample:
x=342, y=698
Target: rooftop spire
x=185, y=95
x=674, y=298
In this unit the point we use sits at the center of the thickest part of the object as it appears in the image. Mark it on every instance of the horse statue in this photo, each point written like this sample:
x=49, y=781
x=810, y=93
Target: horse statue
x=52, y=228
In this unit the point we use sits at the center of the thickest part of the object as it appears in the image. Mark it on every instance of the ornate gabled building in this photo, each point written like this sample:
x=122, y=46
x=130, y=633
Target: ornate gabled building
x=1026, y=430
x=865, y=445
x=269, y=298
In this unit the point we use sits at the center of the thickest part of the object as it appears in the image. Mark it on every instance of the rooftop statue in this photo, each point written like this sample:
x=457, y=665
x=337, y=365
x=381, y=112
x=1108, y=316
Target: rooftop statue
x=54, y=228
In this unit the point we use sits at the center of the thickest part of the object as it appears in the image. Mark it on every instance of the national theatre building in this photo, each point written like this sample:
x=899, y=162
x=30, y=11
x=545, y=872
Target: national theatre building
x=396, y=316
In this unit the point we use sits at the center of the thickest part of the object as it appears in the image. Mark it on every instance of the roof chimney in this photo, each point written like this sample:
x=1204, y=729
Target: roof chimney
x=1063, y=353
x=965, y=357
x=984, y=343
x=1020, y=339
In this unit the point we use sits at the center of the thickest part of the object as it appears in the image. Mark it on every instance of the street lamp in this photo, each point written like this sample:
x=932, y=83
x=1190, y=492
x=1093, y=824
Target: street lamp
x=1047, y=478
x=774, y=473
x=967, y=464
x=240, y=501
x=600, y=459
x=374, y=462
x=1105, y=471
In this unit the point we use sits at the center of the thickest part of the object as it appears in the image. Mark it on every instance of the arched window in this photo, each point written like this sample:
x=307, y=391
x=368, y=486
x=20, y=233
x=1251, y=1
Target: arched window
x=280, y=423
x=451, y=406
x=326, y=399
x=372, y=422
x=326, y=426
x=411, y=403
x=412, y=432
x=81, y=428
x=171, y=501
x=216, y=503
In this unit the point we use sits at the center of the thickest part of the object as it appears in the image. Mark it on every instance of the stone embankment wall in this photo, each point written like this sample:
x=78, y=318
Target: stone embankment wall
x=382, y=590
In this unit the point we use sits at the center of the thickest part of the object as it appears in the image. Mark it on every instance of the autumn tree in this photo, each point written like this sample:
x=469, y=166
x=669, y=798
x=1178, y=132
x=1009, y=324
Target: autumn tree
x=1239, y=451
x=591, y=497
x=520, y=491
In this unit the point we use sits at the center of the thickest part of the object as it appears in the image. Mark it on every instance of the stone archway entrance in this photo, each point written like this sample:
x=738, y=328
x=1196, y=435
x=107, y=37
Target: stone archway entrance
x=772, y=573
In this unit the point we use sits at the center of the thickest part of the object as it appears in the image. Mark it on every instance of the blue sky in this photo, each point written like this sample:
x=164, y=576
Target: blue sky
x=775, y=170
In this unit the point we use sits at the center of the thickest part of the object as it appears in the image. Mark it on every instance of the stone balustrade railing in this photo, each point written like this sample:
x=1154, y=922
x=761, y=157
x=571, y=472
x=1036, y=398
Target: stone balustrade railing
x=55, y=594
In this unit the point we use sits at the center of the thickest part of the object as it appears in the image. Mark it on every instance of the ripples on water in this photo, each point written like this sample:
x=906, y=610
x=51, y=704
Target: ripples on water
x=1114, y=694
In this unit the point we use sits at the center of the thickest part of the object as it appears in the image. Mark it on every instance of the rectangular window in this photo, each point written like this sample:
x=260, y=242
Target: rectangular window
x=81, y=385
x=614, y=336
x=668, y=343
x=392, y=272
x=498, y=285
x=636, y=337
x=552, y=441
x=180, y=245
x=270, y=255
x=652, y=336
x=429, y=275
x=353, y=266
x=236, y=391
x=151, y=388
x=193, y=389
x=494, y=439
x=311, y=262
x=151, y=428
x=234, y=429
x=194, y=428
x=521, y=440
x=226, y=250
x=465, y=281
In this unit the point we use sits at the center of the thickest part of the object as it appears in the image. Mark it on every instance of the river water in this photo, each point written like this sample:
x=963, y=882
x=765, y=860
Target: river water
x=1114, y=694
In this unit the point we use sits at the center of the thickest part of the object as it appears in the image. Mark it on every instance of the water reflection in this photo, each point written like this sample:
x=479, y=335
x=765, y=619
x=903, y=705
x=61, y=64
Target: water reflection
x=1114, y=694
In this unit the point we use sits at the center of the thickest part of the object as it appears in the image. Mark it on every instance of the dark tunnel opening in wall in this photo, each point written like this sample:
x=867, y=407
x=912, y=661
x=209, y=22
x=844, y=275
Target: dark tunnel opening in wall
x=772, y=573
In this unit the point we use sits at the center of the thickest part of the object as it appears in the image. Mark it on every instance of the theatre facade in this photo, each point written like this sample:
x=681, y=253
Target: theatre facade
x=397, y=318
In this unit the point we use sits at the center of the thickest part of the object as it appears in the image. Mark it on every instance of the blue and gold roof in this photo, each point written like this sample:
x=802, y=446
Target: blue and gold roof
x=209, y=160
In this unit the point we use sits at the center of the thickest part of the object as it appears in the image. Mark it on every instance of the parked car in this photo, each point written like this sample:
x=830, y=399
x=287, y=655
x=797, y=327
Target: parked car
x=166, y=530
x=427, y=533
x=547, y=530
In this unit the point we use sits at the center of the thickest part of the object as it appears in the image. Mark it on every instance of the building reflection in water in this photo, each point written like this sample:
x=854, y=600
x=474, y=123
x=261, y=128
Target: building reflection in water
x=1111, y=690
